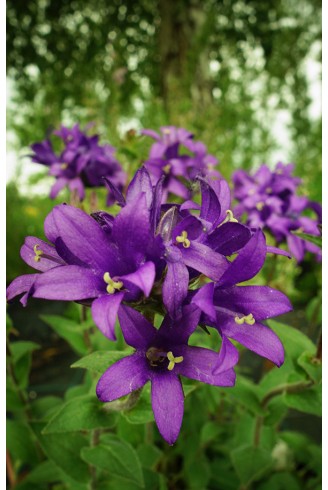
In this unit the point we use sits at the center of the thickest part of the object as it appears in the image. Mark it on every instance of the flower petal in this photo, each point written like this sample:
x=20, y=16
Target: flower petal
x=228, y=356
x=258, y=338
x=140, y=184
x=143, y=277
x=248, y=262
x=228, y=238
x=47, y=260
x=137, y=331
x=182, y=327
x=204, y=300
x=199, y=363
x=123, y=377
x=205, y=260
x=131, y=229
x=262, y=301
x=175, y=287
x=104, y=311
x=21, y=284
x=83, y=236
x=210, y=208
x=115, y=191
x=60, y=183
x=68, y=283
x=167, y=402
x=278, y=251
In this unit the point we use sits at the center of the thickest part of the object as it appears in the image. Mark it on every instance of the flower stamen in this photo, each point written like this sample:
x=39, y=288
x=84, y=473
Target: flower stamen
x=64, y=166
x=38, y=252
x=112, y=285
x=166, y=169
x=249, y=319
x=173, y=360
x=183, y=239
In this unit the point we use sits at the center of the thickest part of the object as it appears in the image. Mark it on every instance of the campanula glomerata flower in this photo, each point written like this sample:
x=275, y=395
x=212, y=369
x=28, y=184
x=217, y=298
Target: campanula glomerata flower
x=179, y=158
x=269, y=200
x=82, y=163
x=161, y=357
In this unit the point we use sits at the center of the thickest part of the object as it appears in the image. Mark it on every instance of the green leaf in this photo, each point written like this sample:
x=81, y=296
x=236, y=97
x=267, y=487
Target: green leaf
x=246, y=393
x=80, y=413
x=99, y=361
x=65, y=452
x=280, y=481
x=117, y=457
x=21, y=442
x=308, y=401
x=311, y=366
x=44, y=407
x=142, y=412
x=294, y=341
x=45, y=472
x=149, y=455
x=19, y=349
x=69, y=330
x=317, y=240
x=251, y=463
x=198, y=475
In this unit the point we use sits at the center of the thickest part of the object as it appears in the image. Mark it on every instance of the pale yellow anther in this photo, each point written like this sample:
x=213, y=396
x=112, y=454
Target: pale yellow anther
x=166, y=131
x=64, y=166
x=173, y=360
x=251, y=192
x=166, y=169
x=260, y=206
x=38, y=252
x=112, y=285
x=268, y=190
x=249, y=319
x=183, y=239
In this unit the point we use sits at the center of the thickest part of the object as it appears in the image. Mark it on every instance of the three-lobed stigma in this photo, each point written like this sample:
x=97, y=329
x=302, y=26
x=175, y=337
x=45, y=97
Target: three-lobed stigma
x=249, y=319
x=38, y=252
x=112, y=285
x=173, y=360
x=183, y=238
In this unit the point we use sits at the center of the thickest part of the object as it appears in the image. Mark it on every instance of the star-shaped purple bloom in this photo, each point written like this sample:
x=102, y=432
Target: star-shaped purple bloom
x=269, y=199
x=87, y=263
x=237, y=311
x=83, y=162
x=176, y=156
x=161, y=357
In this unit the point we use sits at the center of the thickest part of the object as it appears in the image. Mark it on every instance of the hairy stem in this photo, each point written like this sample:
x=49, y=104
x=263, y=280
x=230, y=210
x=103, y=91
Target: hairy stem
x=279, y=390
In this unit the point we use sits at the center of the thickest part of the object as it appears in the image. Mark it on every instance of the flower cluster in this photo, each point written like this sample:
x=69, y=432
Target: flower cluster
x=82, y=162
x=179, y=158
x=182, y=261
x=269, y=200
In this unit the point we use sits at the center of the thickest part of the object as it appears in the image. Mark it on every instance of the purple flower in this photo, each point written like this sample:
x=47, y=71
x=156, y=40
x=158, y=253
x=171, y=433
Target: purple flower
x=237, y=311
x=176, y=156
x=88, y=263
x=83, y=162
x=269, y=199
x=161, y=357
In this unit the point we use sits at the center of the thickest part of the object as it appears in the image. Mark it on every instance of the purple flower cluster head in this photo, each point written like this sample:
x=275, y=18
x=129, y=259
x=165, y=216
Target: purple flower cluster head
x=269, y=200
x=82, y=163
x=179, y=158
x=184, y=262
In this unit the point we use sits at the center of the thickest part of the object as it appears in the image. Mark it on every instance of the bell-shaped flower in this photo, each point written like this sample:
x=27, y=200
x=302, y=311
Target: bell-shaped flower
x=237, y=311
x=161, y=357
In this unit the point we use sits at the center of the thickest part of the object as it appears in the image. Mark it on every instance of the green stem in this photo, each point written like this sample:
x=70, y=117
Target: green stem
x=95, y=435
x=279, y=390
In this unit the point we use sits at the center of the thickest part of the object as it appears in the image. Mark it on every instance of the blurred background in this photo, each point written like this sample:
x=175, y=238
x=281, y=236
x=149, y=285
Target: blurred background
x=244, y=76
